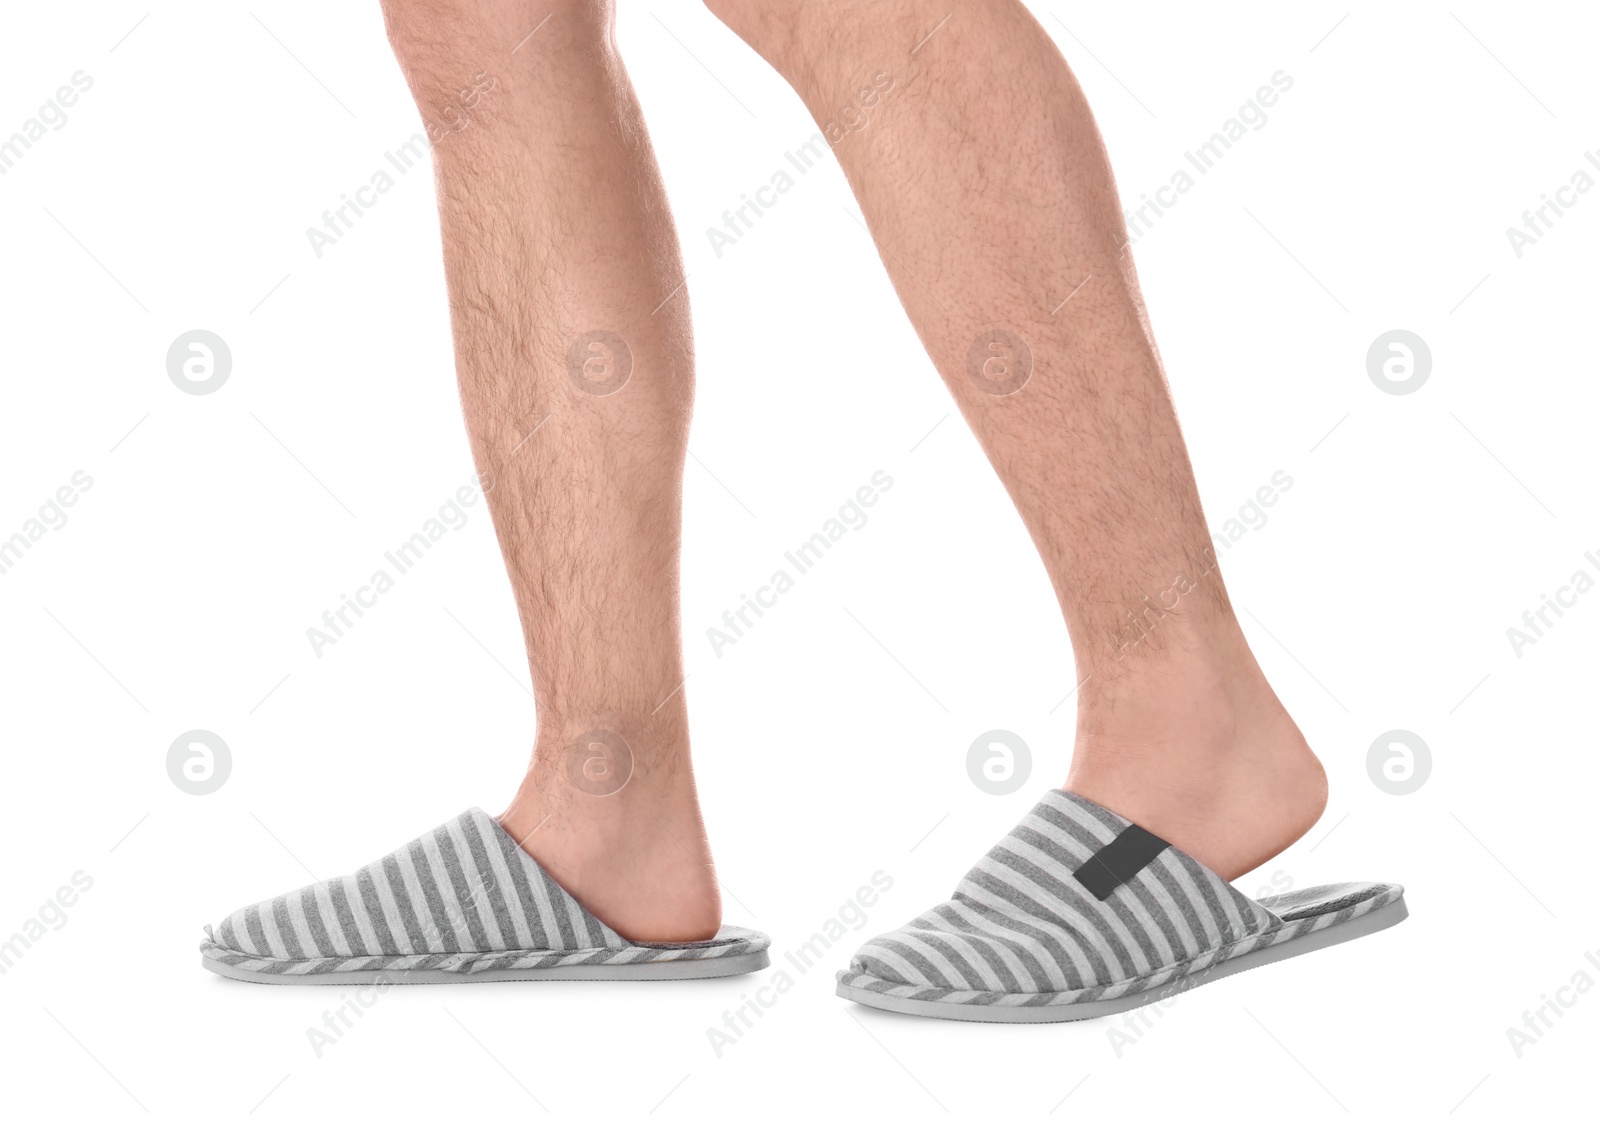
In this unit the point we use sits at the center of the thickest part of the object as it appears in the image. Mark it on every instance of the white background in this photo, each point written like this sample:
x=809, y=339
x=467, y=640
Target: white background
x=220, y=527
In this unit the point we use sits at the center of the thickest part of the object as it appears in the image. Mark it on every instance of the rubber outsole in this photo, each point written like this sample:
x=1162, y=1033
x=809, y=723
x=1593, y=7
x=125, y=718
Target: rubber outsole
x=1381, y=919
x=685, y=969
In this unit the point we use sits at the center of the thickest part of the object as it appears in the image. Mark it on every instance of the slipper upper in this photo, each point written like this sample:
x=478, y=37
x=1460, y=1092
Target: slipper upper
x=465, y=887
x=1074, y=898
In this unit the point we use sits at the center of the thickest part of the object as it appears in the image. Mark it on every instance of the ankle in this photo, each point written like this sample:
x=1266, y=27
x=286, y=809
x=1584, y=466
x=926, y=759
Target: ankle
x=1198, y=684
x=623, y=835
x=597, y=792
x=1193, y=745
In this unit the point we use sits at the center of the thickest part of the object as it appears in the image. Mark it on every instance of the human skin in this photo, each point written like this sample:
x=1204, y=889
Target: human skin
x=554, y=226
x=984, y=183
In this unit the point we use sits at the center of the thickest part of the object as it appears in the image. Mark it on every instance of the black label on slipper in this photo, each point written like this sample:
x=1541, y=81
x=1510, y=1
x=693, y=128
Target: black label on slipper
x=1120, y=861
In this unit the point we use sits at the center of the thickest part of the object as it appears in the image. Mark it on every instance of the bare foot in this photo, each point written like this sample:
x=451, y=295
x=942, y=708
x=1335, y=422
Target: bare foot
x=637, y=858
x=1193, y=745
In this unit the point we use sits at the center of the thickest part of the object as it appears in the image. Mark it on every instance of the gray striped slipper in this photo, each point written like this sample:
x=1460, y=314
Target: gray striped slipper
x=462, y=903
x=1079, y=913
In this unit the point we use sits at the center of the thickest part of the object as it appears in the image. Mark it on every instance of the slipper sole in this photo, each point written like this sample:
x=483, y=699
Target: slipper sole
x=681, y=969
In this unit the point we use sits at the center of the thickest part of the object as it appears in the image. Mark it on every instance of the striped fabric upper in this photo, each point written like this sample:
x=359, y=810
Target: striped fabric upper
x=462, y=897
x=1023, y=929
x=1077, y=905
x=1020, y=922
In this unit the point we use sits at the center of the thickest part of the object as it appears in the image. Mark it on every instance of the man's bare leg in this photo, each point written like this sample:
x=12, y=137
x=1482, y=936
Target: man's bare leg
x=985, y=184
x=555, y=226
